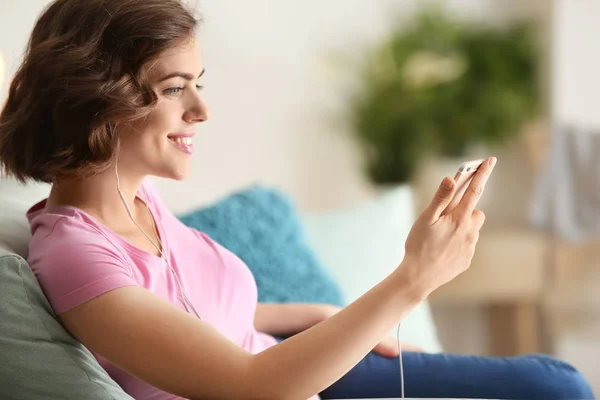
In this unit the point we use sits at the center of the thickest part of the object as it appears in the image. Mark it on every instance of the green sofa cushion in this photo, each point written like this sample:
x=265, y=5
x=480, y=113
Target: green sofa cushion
x=40, y=360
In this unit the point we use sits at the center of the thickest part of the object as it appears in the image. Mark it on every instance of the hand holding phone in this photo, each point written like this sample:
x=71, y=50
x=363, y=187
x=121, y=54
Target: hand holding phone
x=440, y=247
x=464, y=176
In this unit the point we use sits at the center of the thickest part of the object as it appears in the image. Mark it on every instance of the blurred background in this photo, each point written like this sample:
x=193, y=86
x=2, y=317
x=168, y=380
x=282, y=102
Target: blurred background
x=339, y=103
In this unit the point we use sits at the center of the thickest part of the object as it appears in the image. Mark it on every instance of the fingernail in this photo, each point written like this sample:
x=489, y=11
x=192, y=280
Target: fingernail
x=493, y=162
x=446, y=183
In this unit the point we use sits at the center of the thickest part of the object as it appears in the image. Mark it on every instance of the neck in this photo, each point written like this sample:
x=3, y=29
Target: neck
x=98, y=195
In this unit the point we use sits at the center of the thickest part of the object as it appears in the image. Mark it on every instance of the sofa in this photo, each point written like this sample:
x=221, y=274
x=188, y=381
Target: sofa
x=351, y=248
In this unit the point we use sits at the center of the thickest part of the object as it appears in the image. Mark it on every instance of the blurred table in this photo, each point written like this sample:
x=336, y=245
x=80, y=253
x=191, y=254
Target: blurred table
x=507, y=276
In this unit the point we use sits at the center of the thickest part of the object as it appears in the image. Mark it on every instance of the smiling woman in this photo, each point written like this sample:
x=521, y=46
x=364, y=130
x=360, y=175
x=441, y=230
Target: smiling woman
x=118, y=69
x=160, y=144
x=108, y=95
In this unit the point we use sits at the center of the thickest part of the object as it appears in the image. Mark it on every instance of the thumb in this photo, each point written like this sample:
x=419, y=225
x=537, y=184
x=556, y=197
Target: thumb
x=442, y=198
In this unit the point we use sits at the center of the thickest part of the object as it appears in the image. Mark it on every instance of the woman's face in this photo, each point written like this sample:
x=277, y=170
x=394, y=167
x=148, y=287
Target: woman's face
x=162, y=144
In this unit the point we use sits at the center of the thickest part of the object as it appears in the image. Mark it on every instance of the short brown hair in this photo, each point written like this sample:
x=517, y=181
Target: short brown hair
x=81, y=78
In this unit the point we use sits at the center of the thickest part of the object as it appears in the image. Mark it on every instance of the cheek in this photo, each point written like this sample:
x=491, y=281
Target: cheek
x=153, y=130
x=149, y=135
x=162, y=120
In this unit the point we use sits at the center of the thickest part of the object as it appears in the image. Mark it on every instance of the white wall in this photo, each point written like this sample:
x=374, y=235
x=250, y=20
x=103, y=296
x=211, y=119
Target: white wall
x=271, y=92
x=576, y=83
x=576, y=60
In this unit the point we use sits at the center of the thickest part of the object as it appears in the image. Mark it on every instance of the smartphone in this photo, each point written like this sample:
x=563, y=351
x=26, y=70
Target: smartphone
x=465, y=174
x=463, y=178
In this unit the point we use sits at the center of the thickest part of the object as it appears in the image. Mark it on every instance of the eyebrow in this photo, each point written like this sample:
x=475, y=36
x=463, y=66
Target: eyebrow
x=183, y=75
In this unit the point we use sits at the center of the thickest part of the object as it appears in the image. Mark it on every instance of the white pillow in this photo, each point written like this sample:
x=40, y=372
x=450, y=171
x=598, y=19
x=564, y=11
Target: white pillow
x=15, y=200
x=363, y=244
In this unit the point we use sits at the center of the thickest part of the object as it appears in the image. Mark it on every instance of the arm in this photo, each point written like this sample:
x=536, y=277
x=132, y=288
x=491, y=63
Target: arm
x=161, y=344
x=290, y=318
x=168, y=348
x=439, y=247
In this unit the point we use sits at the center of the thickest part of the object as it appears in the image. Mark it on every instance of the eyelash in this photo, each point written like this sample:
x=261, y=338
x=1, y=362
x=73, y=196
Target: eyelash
x=178, y=89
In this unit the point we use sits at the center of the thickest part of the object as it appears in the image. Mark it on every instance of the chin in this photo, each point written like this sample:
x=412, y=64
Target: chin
x=180, y=175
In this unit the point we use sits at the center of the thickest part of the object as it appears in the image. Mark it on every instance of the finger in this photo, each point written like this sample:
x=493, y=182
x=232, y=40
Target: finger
x=473, y=194
x=385, y=350
x=460, y=191
x=411, y=347
x=443, y=196
x=478, y=219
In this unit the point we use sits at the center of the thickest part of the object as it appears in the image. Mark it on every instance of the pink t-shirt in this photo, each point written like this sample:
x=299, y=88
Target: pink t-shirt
x=75, y=259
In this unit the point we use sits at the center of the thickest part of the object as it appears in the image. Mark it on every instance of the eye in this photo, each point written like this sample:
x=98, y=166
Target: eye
x=174, y=91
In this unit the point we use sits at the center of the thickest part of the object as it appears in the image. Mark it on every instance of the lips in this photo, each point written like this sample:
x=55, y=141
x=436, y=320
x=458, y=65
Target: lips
x=182, y=141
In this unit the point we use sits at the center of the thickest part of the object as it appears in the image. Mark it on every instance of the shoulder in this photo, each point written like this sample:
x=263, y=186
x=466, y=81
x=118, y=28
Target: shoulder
x=66, y=233
x=74, y=260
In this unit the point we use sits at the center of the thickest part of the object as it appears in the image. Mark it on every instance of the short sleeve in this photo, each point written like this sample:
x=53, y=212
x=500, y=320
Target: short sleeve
x=75, y=264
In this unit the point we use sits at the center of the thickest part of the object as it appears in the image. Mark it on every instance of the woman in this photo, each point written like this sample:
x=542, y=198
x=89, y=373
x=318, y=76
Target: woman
x=107, y=95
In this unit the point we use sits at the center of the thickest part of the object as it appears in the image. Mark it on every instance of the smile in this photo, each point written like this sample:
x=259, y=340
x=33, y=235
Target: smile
x=183, y=140
x=183, y=143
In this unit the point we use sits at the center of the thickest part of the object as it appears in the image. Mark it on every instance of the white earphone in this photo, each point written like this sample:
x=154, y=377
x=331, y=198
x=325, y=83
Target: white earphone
x=185, y=299
x=400, y=359
x=187, y=303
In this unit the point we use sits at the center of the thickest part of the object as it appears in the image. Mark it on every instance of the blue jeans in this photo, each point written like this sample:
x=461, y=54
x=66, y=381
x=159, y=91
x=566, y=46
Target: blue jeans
x=461, y=376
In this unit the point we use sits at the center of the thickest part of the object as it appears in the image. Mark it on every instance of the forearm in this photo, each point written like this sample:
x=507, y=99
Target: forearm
x=310, y=361
x=289, y=318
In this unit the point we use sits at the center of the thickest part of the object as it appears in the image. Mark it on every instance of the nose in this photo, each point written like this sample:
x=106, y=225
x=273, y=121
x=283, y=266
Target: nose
x=197, y=111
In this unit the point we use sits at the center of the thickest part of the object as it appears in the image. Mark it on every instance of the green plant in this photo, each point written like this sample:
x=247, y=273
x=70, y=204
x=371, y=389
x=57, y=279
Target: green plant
x=439, y=86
